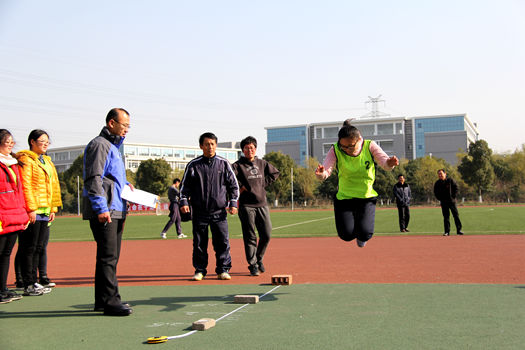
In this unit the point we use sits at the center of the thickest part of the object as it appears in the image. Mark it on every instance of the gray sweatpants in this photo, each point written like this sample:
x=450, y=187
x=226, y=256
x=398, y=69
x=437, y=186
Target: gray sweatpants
x=255, y=218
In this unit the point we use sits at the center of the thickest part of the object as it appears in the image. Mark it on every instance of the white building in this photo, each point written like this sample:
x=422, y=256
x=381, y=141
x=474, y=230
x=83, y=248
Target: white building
x=134, y=153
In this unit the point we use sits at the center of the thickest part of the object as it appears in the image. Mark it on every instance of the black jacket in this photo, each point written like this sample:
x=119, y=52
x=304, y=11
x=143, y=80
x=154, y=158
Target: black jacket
x=254, y=177
x=402, y=194
x=446, y=190
x=209, y=184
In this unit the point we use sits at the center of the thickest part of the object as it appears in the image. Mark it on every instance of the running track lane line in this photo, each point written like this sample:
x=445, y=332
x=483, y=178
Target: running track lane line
x=222, y=317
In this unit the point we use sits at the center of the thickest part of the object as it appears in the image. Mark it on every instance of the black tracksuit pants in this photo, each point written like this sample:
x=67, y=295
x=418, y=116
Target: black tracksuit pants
x=218, y=225
x=108, y=237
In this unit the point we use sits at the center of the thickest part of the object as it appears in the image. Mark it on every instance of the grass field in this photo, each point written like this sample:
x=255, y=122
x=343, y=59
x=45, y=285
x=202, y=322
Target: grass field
x=348, y=316
x=301, y=223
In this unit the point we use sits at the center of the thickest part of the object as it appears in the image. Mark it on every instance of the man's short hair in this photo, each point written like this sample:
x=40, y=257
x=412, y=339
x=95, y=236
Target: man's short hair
x=398, y=176
x=207, y=135
x=114, y=113
x=248, y=140
x=443, y=170
x=175, y=180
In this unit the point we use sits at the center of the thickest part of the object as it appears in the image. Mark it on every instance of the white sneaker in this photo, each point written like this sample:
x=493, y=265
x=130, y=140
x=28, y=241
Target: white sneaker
x=41, y=288
x=163, y=235
x=198, y=276
x=182, y=235
x=224, y=276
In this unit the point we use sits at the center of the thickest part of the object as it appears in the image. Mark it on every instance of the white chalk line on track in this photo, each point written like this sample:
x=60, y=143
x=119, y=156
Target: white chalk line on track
x=302, y=223
x=222, y=317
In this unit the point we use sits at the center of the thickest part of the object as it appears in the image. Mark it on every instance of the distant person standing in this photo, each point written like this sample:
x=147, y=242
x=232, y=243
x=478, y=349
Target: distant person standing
x=104, y=180
x=174, y=197
x=254, y=175
x=445, y=190
x=210, y=187
x=402, y=195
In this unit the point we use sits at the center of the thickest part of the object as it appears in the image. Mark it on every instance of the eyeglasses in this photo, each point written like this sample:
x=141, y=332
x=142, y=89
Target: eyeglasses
x=127, y=126
x=349, y=147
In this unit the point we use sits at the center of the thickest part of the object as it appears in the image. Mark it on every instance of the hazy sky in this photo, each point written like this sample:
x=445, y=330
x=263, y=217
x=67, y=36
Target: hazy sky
x=233, y=67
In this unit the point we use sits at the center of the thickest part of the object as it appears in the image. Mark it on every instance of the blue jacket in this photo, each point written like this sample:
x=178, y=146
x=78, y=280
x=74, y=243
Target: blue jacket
x=104, y=177
x=210, y=185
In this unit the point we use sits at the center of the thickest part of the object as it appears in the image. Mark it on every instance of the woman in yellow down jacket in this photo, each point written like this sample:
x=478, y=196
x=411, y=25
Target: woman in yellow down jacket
x=42, y=195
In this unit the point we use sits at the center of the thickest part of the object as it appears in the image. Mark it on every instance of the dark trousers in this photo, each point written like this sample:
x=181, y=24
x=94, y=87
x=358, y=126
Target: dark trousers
x=31, y=256
x=220, y=240
x=108, y=238
x=446, y=209
x=252, y=218
x=7, y=242
x=174, y=218
x=404, y=216
x=355, y=218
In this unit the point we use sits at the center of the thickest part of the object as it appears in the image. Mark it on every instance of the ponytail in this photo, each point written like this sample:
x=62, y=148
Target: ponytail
x=348, y=130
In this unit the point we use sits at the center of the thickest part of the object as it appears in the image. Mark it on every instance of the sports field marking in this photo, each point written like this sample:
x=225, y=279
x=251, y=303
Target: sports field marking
x=302, y=222
x=155, y=340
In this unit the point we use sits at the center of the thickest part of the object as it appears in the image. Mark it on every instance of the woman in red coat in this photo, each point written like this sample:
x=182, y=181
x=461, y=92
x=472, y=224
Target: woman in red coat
x=13, y=213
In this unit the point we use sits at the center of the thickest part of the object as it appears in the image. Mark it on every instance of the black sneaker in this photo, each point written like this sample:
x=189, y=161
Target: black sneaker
x=4, y=299
x=46, y=282
x=11, y=294
x=19, y=284
x=254, y=271
x=460, y=233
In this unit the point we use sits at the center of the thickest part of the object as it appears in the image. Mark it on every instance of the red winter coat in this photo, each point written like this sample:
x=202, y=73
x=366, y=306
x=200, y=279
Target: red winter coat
x=13, y=213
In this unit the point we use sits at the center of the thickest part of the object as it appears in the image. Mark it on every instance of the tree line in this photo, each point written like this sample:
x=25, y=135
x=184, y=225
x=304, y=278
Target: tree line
x=481, y=176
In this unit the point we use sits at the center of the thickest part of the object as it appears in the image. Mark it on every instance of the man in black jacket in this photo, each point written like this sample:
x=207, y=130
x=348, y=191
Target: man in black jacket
x=445, y=190
x=254, y=175
x=174, y=197
x=402, y=195
x=210, y=187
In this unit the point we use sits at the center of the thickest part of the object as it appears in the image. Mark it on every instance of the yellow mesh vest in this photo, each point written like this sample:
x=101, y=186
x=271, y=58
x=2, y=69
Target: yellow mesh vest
x=356, y=175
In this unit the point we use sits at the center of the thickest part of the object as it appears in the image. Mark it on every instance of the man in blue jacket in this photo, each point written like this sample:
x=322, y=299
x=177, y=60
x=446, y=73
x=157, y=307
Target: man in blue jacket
x=209, y=185
x=104, y=180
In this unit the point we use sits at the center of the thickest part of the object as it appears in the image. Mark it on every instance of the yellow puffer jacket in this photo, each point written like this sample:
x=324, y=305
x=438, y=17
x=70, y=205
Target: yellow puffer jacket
x=41, y=190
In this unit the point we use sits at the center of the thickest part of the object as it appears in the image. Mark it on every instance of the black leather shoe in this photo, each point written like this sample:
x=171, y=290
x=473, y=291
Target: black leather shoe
x=120, y=310
x=101, y=308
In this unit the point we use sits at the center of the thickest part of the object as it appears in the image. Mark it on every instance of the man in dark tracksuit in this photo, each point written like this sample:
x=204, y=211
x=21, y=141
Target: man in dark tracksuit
x=104, y=180
x=210, y=187
x=402, y=195
x=254, y=175
x=445, y=190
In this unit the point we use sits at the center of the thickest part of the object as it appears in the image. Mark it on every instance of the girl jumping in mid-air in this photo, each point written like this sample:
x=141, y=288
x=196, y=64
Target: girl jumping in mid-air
x=355, y=201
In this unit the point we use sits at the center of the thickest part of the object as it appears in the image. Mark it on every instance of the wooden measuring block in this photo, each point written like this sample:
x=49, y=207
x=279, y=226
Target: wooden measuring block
x=203, y=324
x=282, y=279
x=246, y=299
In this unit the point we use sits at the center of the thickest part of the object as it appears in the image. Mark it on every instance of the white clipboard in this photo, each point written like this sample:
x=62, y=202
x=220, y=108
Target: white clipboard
x=140, y=197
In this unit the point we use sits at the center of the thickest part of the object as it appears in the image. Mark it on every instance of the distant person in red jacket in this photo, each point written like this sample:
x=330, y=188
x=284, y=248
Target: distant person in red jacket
x=13, y=213
x=254, y=175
